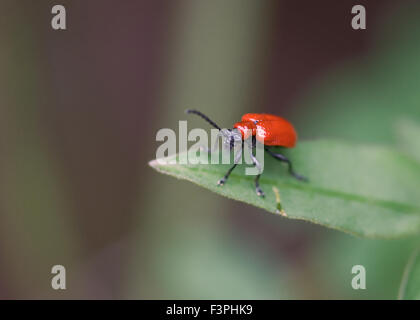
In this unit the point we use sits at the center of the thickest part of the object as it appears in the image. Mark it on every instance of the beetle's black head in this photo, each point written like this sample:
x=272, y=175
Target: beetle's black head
x=230, y=137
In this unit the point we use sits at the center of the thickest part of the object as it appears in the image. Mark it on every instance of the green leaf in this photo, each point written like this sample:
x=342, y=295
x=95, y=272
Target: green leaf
x=364, y=190
x=408, y=133
x=410, y=284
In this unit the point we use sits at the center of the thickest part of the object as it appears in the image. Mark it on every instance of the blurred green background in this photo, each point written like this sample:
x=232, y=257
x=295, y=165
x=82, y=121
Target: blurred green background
x=79, y=113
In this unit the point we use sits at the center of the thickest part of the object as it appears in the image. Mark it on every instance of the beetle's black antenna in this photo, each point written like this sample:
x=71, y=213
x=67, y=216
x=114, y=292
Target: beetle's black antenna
x=198, y=113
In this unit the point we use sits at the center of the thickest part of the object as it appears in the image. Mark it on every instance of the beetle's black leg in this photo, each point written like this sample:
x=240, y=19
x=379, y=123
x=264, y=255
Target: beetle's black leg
x=282, y=158
x=237, y=157
x=259, y=191
x=222, y=181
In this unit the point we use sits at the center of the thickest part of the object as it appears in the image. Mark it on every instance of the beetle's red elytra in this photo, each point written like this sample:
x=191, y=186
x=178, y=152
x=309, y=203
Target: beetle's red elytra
x=269, y=129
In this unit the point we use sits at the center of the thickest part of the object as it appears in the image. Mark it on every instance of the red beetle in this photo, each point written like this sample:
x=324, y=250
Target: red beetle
x=271, y=130
x=268, y=129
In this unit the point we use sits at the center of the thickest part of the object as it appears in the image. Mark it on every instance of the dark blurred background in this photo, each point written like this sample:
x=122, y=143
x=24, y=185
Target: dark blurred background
x=79, y=112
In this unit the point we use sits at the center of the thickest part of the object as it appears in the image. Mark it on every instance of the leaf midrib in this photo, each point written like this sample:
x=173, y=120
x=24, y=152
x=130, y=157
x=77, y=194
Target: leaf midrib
x=393, y=205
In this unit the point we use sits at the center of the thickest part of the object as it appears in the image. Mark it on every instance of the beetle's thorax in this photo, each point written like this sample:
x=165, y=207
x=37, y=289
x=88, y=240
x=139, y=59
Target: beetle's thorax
x=246, y=128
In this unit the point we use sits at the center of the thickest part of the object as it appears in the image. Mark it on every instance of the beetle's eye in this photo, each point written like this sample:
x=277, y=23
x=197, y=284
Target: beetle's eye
x=256, y=121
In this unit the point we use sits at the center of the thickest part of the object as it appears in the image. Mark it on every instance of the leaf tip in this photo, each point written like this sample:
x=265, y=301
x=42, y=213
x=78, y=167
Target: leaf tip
x=153, y=163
